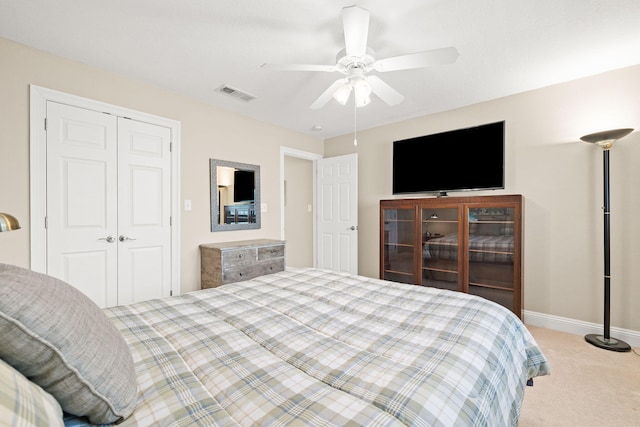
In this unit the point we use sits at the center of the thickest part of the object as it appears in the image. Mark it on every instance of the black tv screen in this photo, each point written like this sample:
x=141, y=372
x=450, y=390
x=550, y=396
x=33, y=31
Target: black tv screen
x=243, y=185
x=458, y=160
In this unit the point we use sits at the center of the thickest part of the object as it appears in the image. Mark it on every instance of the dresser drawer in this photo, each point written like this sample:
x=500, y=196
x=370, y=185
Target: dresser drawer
x=246, y=272
x=242, y=256
x=270, y=252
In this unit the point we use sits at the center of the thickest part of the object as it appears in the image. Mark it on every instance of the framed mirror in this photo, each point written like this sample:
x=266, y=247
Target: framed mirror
x=235, y=195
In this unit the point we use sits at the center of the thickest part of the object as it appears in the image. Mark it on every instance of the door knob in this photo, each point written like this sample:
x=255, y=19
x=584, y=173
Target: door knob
x=109, y=239
x=353, y=227
x=124, y=238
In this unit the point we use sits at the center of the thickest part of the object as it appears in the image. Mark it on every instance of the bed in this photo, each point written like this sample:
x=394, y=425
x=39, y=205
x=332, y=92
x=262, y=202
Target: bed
x=299, y=347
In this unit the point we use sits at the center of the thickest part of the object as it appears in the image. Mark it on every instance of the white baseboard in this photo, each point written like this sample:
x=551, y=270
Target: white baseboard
x=578, y=327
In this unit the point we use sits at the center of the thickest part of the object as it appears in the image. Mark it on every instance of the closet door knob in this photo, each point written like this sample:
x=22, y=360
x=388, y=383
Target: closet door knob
x=124, y=238
x=109, y=239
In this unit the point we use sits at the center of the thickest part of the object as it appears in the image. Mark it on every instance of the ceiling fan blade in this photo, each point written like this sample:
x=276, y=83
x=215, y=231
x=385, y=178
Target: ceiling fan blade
x=327, y=94
x=446, y=55
x=300, y=67
x=355, y=21
x=384, y=91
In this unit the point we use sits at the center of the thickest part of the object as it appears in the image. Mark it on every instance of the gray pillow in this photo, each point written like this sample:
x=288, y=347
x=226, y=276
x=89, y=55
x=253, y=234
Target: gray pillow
x=62, y=341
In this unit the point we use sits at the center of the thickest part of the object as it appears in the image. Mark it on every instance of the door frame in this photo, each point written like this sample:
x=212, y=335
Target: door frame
x=306, y=155
x=39, y=96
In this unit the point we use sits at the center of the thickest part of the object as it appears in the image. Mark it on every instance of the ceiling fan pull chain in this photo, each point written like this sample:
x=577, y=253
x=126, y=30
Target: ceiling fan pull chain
x=355, y=123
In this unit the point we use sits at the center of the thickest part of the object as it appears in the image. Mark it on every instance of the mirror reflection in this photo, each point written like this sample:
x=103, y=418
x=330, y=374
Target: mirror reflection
x=235, y=195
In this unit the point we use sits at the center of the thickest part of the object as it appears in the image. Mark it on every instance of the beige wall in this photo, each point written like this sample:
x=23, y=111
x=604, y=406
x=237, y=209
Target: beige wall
x=561, y=180
x=207, y=132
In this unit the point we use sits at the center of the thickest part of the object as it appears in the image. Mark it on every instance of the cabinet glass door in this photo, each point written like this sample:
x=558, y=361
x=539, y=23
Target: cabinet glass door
x=491, y=254
x=440, y=249
x=398, y=244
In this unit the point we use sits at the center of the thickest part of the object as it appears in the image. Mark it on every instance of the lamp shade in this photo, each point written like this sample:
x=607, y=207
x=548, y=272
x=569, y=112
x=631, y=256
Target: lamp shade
x=606, y=138
x=342, y=94
x=362, y=91
x=8, y=222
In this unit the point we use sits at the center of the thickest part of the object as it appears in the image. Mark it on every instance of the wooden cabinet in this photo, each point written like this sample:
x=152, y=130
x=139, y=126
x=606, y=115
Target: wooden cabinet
x=466, y=244
x=229, y=262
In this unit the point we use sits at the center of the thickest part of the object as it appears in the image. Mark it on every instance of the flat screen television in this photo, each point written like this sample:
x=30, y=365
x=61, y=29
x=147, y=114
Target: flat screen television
x=244, y=185
x=458, y=160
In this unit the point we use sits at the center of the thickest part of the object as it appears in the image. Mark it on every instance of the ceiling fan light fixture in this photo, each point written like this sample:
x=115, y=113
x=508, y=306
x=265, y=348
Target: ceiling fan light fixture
x=342, y=94
x=362, y=101
x=362, y=92
x=362, y=88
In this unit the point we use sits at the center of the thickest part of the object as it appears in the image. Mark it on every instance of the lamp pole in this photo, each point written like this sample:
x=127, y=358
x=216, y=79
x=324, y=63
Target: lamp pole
x=605, y=140
x=607, y=247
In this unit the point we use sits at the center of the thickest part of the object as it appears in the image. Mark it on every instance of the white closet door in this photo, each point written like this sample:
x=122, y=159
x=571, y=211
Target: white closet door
x=108, y=205
x=144, y=211
x=82, y=200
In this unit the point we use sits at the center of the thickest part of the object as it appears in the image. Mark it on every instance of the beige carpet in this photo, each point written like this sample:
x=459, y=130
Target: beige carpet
x=588, y=386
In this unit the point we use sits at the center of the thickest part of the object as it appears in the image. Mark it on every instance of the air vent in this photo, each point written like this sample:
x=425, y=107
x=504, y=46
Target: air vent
x=235, y=93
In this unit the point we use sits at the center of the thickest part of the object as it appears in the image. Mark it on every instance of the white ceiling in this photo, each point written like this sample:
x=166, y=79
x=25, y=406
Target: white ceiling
x=194, y=46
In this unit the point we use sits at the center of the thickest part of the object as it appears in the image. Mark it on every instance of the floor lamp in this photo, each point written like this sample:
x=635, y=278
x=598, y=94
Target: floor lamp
x=605, y=140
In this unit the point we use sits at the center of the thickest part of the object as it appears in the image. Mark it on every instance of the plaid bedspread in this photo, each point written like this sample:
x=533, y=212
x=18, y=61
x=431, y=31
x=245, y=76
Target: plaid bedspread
x=311, y=347
x=482, y=248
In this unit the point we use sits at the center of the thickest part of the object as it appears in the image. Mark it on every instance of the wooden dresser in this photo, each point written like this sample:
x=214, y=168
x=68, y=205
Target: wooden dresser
x=229, y=262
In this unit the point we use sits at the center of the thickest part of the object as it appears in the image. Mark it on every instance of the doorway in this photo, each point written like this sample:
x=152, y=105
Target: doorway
x=297, y=206
x=335, y=210
x=298, y=211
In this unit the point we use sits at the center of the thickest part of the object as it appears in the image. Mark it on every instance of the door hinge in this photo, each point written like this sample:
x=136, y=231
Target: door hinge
x=170, y=221
x=171, y=293
x=45, y=124
x=171, y=147
x=46, y=222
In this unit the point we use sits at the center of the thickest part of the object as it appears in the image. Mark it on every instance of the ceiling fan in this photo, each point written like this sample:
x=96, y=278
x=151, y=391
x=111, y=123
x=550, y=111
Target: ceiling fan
x=357, y=60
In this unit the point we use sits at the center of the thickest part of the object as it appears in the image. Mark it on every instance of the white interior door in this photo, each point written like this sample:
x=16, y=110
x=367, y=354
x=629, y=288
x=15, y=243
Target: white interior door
x=82, y=200
x=108, y=205
x=144, y=211
x=338, y=213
